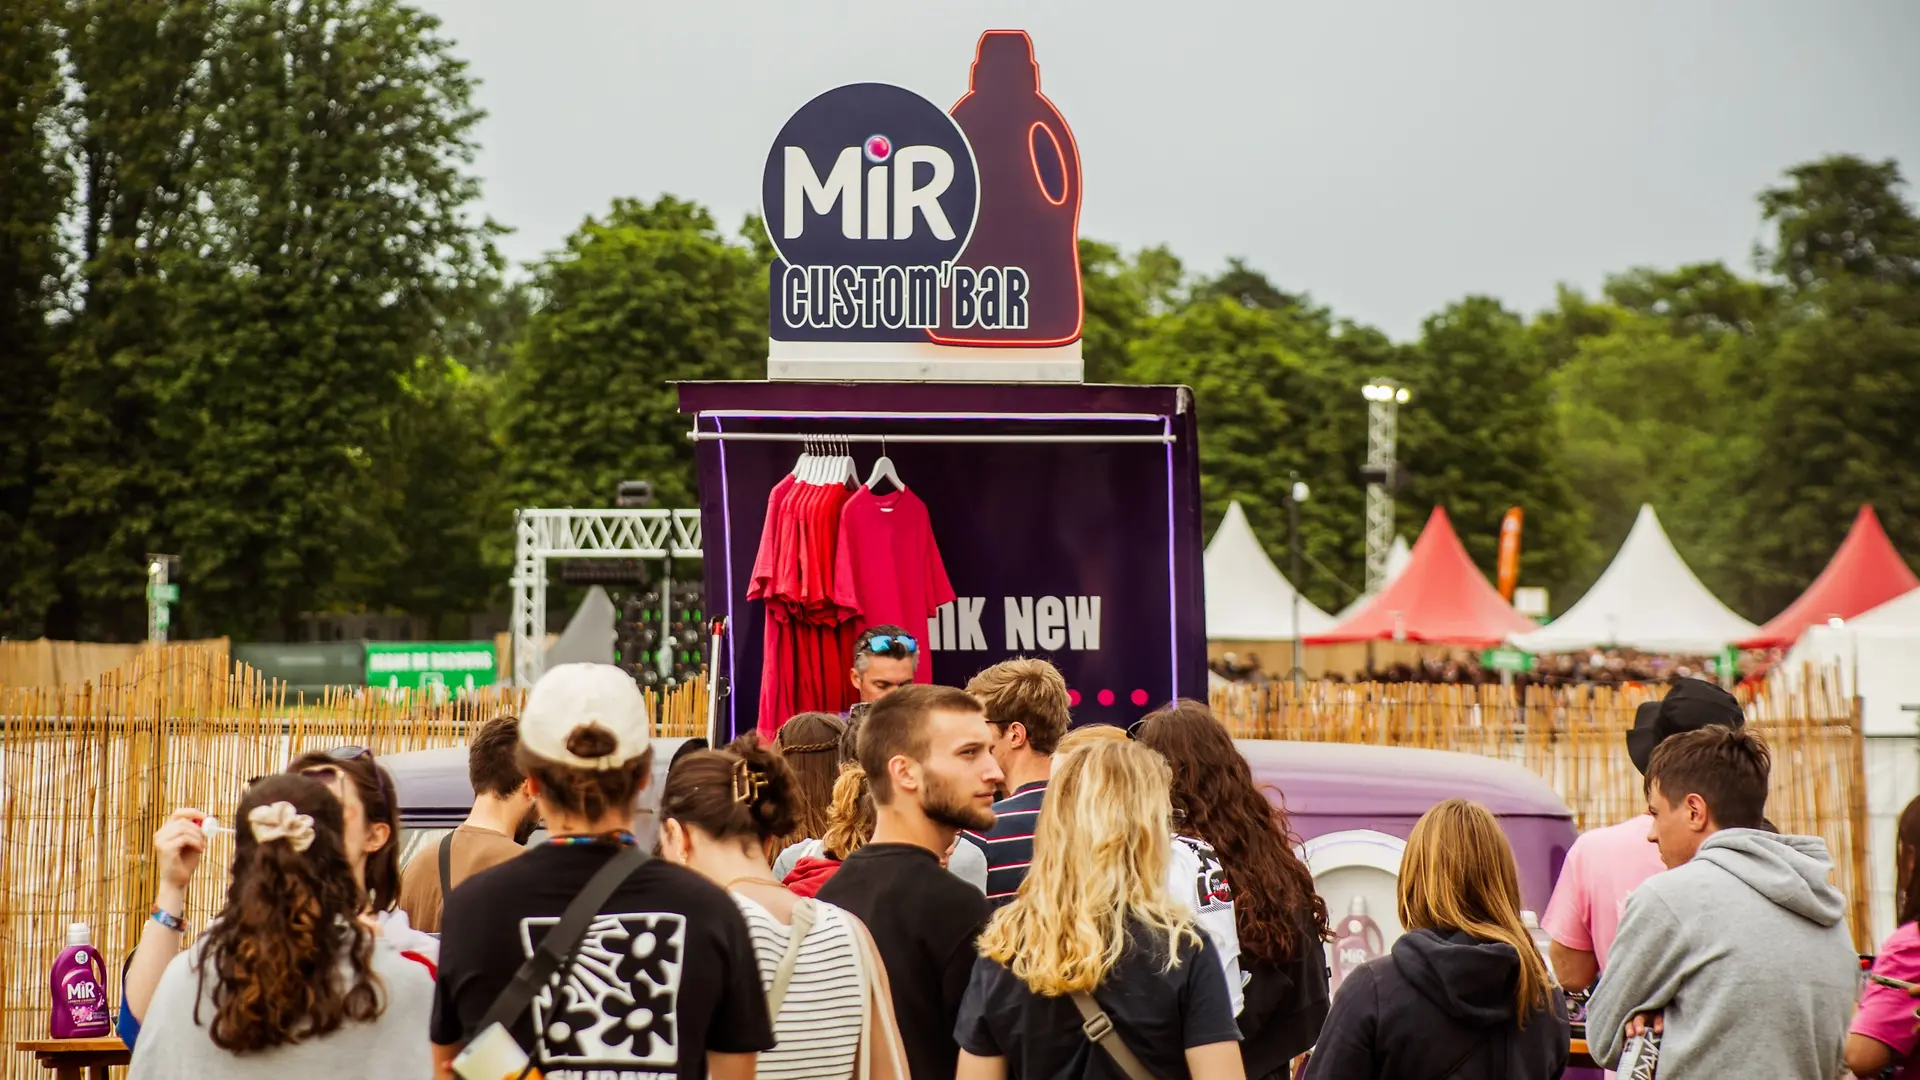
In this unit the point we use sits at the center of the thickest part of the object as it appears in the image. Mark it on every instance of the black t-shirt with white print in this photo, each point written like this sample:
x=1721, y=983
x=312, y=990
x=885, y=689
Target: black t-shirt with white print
x=665, y=975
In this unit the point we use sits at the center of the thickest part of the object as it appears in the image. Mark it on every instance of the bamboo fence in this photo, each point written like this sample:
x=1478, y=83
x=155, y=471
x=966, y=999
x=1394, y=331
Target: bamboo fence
x=1575, y=739
x=88, y=773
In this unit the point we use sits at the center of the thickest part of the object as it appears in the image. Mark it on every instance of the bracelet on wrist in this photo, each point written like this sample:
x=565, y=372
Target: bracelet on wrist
x=168, y=919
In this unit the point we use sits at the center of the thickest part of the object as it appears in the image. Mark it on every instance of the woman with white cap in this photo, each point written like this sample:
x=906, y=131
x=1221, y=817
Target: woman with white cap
x=662, y=977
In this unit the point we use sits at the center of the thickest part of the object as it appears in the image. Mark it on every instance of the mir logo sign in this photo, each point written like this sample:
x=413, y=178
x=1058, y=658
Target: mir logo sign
x=895, y=221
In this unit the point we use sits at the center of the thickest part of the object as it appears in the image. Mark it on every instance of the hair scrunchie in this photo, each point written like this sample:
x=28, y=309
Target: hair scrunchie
x=280, y=821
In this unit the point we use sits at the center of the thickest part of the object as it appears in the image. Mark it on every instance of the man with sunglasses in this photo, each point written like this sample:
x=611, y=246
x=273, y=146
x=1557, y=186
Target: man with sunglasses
x=884, y=659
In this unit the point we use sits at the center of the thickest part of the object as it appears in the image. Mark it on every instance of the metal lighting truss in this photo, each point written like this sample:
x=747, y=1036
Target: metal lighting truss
x=540, y=535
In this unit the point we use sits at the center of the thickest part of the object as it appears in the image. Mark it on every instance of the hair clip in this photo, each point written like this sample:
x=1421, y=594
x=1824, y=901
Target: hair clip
x=280, y=821
x=747, y=783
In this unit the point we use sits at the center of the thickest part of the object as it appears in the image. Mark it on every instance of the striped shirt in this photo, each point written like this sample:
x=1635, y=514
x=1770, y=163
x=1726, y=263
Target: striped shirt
x=817, y=1033
x=1008, y=846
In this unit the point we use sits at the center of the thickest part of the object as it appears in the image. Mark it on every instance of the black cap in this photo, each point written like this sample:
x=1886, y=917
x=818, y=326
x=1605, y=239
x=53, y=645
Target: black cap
x=1691, y=705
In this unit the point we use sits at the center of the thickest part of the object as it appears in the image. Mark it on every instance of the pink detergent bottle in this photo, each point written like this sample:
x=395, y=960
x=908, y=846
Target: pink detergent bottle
x=1357, y=939
x=79, y=988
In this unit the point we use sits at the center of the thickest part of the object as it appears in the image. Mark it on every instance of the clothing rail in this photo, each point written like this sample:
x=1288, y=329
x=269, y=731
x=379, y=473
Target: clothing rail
x=785, y=436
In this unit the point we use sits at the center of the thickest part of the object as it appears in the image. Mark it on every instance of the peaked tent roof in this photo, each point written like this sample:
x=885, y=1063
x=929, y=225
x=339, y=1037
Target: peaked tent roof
x=1398, y=556
x=1647, y=599
x=1865, y=572
x=1248, y=599
x=1440, y=597
x=1900, y=615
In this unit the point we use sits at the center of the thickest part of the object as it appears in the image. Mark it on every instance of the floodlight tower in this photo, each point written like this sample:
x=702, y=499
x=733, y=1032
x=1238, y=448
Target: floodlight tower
x=1382, y=473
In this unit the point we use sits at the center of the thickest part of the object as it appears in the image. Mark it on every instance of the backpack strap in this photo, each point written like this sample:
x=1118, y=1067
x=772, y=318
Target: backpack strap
x=558, y=946
x=1099, y=1030
x=446, y=867
x=804, y=914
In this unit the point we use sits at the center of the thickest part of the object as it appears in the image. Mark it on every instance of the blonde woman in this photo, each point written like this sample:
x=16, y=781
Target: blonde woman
x=1464, y=992
x=1094, y=930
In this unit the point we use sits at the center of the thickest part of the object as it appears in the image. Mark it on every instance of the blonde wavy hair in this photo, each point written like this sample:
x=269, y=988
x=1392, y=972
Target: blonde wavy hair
x=1458, y=873
x=850, y=817
x=1100, y=852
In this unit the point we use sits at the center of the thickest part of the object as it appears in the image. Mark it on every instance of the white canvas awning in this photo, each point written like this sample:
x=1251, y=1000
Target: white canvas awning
x=1647, y=599
x=1248, y=599
x=1398, y=556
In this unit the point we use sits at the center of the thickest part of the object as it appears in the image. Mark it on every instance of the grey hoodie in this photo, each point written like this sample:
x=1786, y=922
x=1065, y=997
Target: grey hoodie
x=1746, y=952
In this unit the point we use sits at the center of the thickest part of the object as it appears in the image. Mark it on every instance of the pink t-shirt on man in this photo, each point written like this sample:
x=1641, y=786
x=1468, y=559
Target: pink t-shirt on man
x=1603, y=867
x=1886, y=1014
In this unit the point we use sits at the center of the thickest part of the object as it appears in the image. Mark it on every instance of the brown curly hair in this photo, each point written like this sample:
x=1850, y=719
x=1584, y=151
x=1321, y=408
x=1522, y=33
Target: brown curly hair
x=1213, y=786
x=275, y=950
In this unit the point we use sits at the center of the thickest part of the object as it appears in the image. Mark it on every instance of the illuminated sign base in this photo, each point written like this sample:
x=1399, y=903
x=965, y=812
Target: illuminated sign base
x=906, y=361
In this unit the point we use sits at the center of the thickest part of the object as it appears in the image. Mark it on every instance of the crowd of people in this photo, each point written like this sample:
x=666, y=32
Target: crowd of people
x=1602, y=667
x=951, y=883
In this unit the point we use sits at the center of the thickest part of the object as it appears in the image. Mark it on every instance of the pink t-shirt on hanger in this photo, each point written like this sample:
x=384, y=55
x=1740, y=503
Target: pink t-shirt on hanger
x=887, y=567
x=1602, y=868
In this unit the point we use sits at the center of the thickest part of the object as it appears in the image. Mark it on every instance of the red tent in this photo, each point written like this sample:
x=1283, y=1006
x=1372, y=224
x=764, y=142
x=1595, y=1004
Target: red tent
x=1865, y=573
x=1440, y=597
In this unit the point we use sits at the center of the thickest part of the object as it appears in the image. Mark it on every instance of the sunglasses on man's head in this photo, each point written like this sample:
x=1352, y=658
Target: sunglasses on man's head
x=886, y=643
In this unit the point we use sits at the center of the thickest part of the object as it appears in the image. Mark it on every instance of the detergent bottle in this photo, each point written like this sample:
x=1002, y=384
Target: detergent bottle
x=79, y=988
x=1018, y=280
x=1357, y=939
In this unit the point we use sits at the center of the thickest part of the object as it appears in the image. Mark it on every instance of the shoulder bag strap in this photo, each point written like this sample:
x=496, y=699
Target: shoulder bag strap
x=446, y=867
x=1099, y=1030
x=557, y=947
x=803, y=916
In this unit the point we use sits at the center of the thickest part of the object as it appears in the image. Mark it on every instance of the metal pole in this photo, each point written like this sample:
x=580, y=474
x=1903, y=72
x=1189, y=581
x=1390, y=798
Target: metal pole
x=1293, y=515
x=1383, y=407
x=156, y=580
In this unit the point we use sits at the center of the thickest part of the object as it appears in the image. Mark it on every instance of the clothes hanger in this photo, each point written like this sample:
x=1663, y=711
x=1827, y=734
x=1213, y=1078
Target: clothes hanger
x=800, y=463
x=848, y=471
x=883, y=470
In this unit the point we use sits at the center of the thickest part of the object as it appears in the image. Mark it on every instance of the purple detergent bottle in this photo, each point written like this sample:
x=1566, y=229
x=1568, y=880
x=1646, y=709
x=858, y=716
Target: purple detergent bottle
x=79, y=989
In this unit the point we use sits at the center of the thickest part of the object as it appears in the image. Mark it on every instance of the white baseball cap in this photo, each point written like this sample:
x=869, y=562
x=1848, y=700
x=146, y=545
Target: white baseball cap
x=573, y=696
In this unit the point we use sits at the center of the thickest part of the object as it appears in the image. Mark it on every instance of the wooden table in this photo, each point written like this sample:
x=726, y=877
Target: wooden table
x=1578, y=1056
x=78, y=1059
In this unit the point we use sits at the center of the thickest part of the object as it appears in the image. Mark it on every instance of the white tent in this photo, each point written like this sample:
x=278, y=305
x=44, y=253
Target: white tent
x=1398, y=556
x=1874, y=655
x=1248, y=599
x=589, y=635
x=1648, y=600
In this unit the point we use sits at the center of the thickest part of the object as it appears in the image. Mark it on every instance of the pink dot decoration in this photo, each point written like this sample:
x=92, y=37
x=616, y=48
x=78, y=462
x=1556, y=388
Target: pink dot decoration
x=1073, y=698
x=1140, y=697
x=1106, y=697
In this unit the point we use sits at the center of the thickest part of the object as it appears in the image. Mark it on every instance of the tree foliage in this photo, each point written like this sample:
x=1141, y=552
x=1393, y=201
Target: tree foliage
x=647, y=295
x=249, y=316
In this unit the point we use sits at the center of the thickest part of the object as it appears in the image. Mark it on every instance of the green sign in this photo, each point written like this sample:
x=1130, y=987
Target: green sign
x=1506, y=660
x=162, y=617
x=1727, y=664
x=164, y=594
x=412, y=665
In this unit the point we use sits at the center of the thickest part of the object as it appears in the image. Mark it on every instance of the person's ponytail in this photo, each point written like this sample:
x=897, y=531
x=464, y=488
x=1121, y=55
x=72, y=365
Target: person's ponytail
x=850, y=817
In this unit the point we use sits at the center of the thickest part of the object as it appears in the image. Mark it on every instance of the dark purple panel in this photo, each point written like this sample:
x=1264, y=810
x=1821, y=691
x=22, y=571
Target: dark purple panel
x=1015, y=522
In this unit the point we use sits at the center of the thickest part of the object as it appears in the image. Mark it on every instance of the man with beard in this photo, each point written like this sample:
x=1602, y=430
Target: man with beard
x=927, y=753
x=502, y=818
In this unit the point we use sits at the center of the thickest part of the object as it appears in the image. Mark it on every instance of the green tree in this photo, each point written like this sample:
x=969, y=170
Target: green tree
x=1119, y=296
x=1835, y=394
x=35, y=183
x=137, y=95
x=1266, y=412
x=1479, y=436
x=1646, y=415
x=644, y=296
x=334, y=248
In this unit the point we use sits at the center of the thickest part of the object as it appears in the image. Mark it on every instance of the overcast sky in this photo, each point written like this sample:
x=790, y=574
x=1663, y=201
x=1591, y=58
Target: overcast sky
x=1385, y=157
